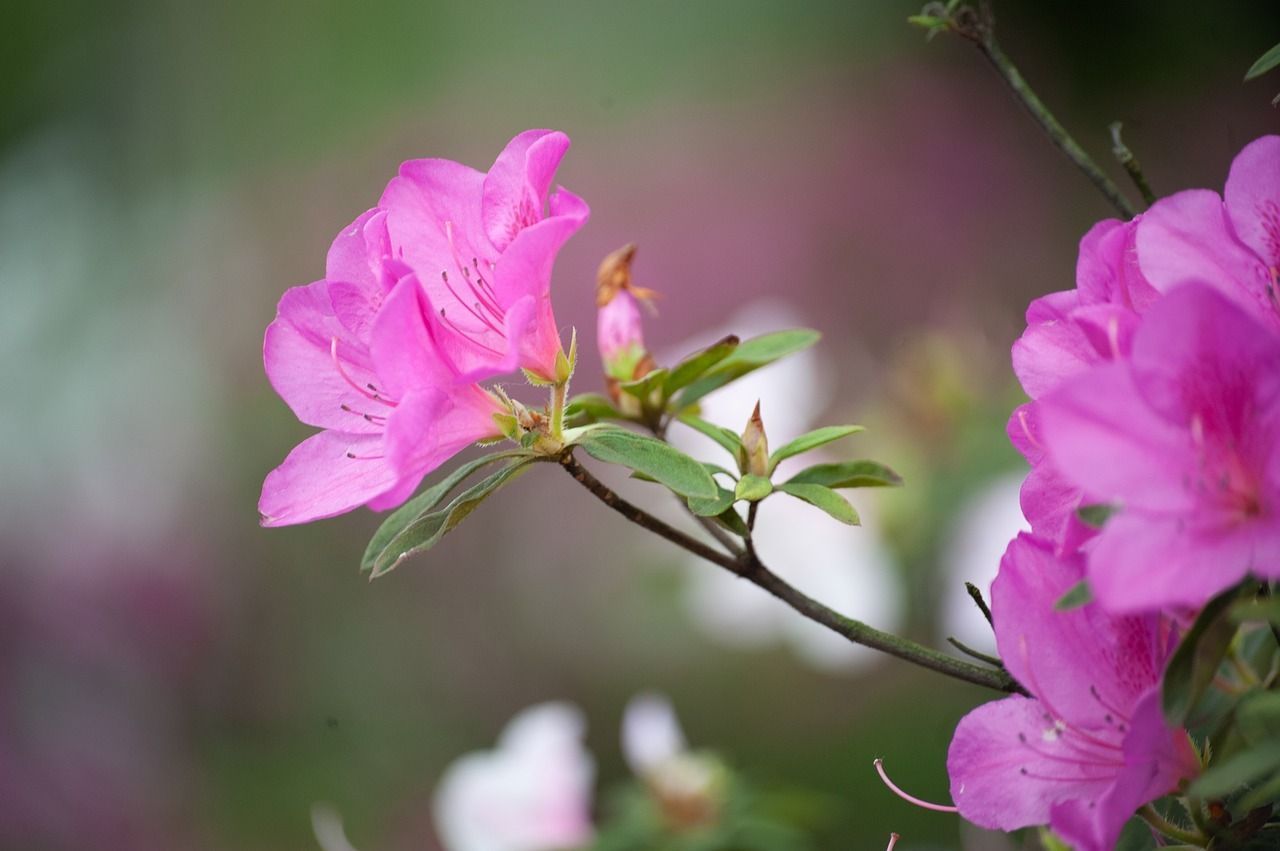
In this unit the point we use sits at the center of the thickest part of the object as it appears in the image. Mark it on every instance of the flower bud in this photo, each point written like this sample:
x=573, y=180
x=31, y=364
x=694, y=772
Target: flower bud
x=753, y=460
x=620, y=327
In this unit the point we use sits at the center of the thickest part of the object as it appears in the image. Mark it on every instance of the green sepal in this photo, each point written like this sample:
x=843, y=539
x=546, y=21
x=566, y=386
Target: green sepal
x=565, y=365
x=848, y=474
x=535, y=379
x=811, y=440
x=823, y=497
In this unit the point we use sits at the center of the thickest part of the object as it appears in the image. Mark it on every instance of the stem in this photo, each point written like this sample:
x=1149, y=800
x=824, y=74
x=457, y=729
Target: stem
x=558, y=394
x=976, y=654
x=979, y=28
x=1168, y=828
x=979, y=602
x=1131, y=165
x=749, y=567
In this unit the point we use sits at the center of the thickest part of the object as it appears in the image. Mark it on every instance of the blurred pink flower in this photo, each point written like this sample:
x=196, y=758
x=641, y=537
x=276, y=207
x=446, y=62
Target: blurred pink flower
x=483, y=246
x=1091, y=745
x=531, y=793
x=1231, y=243
x=1184, y=438
x=651, y=734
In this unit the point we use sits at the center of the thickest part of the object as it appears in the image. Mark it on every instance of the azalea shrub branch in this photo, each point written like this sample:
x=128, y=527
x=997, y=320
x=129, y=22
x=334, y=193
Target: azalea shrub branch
x=977, y=26
x=747, y=565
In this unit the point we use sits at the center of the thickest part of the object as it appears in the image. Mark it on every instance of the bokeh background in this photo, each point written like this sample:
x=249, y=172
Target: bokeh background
x=172, y=676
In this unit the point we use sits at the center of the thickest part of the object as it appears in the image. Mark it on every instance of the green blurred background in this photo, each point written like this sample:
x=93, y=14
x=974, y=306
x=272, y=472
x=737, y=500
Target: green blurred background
x=173, y=676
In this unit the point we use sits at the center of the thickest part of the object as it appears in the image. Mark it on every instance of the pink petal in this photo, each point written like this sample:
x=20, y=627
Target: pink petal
x=515, y=188
x=404, y=342
x=1009, y=765
x=1053, y=347
x=1187, y=238
x=1156, y=758
x=297, y=354
x=428, y=202
x=1253, y=198
x=1105, y=441
x=356, y=253
x=1143, y=562
x=318, y=479
x=525, y=266
x=1086, y=667
x=432, y=425
x=1107, y=270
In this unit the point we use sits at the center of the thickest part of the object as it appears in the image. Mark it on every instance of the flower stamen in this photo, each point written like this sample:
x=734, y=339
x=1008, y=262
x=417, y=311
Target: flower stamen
x=910, y=799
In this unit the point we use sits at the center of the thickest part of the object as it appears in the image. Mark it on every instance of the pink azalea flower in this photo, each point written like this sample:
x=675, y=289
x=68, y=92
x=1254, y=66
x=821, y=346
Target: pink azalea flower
x=1090, y=746
x=1067, y=334
x=391, y=406
x=483, y=246
x=1184, y=437
x=1231, y=243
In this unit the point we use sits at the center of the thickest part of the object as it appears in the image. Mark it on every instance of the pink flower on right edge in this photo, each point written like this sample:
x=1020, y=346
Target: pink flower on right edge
x=1184, y=437
x=1090, y=746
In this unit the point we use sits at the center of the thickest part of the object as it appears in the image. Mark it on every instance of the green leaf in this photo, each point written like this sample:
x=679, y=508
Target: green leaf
x=1265, y=63
x=644, y=454
x=747, y=357
x=1197, y=659
x=1095, y=515
x=1264, y=791
x=824, y=498
x=643, y=387
x=731, y=520
x=593, y=405
x=426, y=530
x=721, y=435
x=1221, y=778
x=693, y=367
x=1077, y=595
x=811, y=440
x=1264, y=611
x=1258, y=717
x=424, y=502
x=848, y=474
x=753, y=488
x=713, y=507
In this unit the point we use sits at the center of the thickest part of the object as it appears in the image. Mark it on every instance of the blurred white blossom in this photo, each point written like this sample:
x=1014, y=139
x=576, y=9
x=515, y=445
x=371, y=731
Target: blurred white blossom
x=530, y=793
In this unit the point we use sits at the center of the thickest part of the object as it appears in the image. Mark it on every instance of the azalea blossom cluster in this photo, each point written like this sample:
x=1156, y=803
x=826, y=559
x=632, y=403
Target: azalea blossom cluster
x=1153, y=434
x=443, y=285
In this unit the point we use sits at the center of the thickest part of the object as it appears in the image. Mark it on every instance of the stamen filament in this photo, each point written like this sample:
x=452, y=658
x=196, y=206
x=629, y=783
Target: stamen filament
x=337, y=364
x=910, y=799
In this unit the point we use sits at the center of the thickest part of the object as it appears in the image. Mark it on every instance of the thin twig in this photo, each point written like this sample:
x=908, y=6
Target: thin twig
x=979, y=602
x=748, y=566
x=1125, y=157
x=976, y=654
x=978, y=27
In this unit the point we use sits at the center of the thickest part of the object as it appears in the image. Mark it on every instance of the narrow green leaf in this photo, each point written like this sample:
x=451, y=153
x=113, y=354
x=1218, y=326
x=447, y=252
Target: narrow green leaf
x=1095, y=515
x=1264, y=792
x=1221, y=778
x=1197, y=659
x=693, y=367
x=753, y=488
x=642, y=387
x=592, y=405
x=731, y=520
x=1265, y=63
x=1258, y=717
x=721, y=435
x=824, y=498
x=848, y=474
x=644, y=454
x=1264, y=611
x=811, y=440
x=424, y=502
x=1077, y=595
x=426, y=530
x=719, y=504
x=747, y=357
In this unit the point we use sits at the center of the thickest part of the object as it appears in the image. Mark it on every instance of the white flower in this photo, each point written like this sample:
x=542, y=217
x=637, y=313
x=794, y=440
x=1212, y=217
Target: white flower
x=651, y=733
x=531, y=793
x=989, y=520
